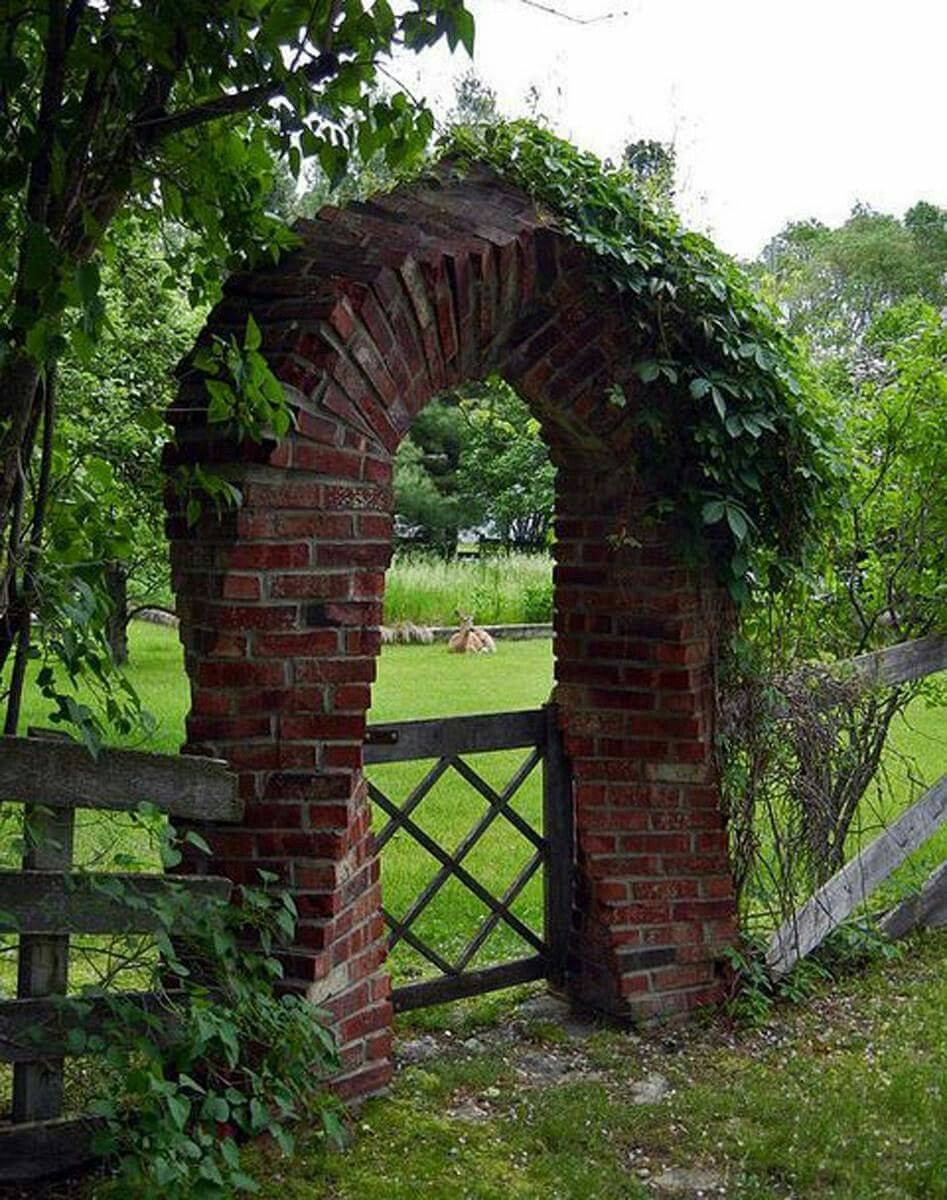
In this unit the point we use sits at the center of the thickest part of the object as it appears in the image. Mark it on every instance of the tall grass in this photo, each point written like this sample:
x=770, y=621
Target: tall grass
x=498, y=590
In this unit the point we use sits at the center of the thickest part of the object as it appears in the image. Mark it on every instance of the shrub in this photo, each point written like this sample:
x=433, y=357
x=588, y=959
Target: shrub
x=217, y=1055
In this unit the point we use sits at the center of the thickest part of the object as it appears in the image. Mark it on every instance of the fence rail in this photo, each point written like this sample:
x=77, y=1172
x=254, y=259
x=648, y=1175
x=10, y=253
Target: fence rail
x=48, y=901
x=850, y=887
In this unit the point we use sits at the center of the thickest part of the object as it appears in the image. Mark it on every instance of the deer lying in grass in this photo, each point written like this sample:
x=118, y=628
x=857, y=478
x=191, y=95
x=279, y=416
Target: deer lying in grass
x=470, y=640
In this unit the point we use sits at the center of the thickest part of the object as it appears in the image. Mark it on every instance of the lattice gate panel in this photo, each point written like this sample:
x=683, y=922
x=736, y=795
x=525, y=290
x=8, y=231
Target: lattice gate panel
x=546, y=851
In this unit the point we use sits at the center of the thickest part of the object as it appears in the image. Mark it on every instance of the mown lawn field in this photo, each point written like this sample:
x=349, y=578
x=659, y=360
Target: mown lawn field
x=426, y=681
x=841, y=1096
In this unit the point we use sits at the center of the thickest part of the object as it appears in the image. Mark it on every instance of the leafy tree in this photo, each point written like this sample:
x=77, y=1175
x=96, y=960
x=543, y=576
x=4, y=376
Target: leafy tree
x=800, y=772
x=505, y=472
x=475, y=102
x=112, y=426
x=428, y=499
x=832, y=283
x=169, y=109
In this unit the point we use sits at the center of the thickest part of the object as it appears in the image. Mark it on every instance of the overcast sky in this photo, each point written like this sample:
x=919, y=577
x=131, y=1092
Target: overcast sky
x=778, y=110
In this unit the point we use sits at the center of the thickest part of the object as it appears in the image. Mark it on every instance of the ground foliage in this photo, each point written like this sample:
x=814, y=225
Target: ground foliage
x=838, y=1094
x=194, y=1050
x=731, y=432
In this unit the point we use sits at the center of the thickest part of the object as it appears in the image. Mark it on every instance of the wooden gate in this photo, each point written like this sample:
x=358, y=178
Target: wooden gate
x=449, y=743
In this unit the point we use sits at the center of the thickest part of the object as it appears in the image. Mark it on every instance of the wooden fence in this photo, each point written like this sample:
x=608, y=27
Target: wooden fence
x=854, y=883
x=47, y=901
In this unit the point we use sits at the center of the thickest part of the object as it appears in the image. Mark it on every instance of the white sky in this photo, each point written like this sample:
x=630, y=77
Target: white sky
x=778, y=110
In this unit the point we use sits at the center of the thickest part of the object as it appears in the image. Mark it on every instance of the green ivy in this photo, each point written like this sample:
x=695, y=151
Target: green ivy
x=732, y=433
x=214, y=1055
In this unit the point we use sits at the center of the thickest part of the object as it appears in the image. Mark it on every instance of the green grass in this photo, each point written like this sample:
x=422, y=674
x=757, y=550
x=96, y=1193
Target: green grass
x=413, y=681
x=842, y=1098
x=425, y=681
x=505, y=589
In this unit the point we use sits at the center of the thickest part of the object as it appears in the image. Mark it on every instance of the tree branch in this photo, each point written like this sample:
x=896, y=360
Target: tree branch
x=153, y=128
x=557, y=12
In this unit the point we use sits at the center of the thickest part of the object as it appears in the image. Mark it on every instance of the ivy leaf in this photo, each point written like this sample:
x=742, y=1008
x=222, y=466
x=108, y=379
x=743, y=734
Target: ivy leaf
x=648, y=370
x=252, y=339
x=179, y=1108
x=737, y=521
x=713, y=511
x=699, y=388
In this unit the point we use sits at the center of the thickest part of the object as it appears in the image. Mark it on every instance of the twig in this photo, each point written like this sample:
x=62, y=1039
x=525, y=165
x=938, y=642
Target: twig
x=556, y=12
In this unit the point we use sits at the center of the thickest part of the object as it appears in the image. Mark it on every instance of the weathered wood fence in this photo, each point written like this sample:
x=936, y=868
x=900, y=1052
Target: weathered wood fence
x=854, y=883
x=48, y=900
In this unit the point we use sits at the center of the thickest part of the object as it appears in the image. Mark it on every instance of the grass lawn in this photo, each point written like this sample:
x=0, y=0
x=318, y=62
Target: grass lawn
x=425, y=681
x=413, y=681
x=842, y=1097
x=497, y=589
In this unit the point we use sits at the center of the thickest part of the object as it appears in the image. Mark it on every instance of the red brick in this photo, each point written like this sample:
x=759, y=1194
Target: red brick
x=286, y=686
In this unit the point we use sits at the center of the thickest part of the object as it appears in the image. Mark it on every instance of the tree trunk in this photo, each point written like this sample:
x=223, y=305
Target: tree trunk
x=116, y=583
x=19, y=378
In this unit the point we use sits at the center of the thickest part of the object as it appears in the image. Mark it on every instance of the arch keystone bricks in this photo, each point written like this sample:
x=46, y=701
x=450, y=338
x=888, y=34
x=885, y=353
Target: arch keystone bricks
x=384, y=305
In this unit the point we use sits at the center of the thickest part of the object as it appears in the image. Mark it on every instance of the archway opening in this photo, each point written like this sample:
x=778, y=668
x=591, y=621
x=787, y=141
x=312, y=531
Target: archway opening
x=386, y=306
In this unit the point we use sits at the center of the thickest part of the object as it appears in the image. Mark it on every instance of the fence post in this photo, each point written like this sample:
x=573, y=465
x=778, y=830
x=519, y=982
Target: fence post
x=43, y=961
x=559, y=835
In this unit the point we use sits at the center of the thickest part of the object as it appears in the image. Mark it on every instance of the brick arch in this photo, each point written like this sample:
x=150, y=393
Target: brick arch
x=385, y=305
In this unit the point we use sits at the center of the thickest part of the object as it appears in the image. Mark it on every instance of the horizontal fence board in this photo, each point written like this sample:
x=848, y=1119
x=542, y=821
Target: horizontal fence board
x=471, y=983
x=36, y=1030
x=43, y=1149
x=851, y=886
x=62, y=774
x=902, y=663
x=830, y=683
x=925, y=910
x=446, y=737
x=62, y=902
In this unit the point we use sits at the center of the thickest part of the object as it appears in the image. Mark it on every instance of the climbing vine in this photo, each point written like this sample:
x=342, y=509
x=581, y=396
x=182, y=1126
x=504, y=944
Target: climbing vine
x=733, y=435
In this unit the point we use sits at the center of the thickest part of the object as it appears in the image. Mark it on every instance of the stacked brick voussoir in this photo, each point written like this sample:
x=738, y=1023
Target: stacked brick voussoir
x=383, y=306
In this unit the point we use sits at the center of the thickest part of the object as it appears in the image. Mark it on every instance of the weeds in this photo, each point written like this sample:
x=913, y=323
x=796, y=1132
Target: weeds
x=505, y=589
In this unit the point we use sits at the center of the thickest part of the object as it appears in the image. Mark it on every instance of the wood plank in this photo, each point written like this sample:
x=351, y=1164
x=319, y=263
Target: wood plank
x=42, y=962
x=37, y=1030
x=471, y=983
x=558, y=818
x=62, y=902
x=491, y=920
x=43, y=1149
x=61, y=774
x=902, y=663
x=928, y=909
x=845, y=891
x=498, y=805
x=459, y=872
x=448, y=737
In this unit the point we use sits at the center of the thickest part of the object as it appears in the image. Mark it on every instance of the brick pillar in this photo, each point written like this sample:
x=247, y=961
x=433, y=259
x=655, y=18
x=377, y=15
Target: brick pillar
x=635, y=640
x=279, y=606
